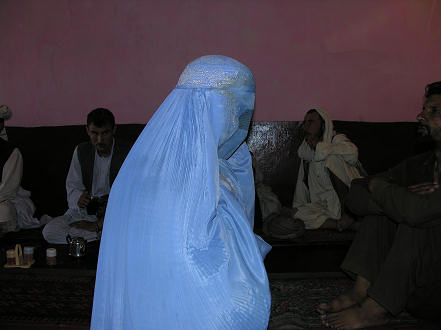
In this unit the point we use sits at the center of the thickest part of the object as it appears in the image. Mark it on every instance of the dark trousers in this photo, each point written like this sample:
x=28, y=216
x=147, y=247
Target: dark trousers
x=402, y=263
x=340, y=189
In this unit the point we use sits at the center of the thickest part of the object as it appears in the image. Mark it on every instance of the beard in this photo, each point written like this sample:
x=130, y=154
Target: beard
x=423, y=130
x=423, y=134
x=424, y=139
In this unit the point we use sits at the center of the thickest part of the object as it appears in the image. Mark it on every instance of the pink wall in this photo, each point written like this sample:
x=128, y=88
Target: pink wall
x=362, y=60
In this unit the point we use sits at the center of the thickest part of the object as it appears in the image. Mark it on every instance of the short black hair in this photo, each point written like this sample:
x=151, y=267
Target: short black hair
x=433, y=89
x=100, y=117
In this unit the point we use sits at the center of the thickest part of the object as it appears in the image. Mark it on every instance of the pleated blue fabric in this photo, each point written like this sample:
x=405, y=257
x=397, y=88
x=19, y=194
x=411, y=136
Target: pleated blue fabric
x=178, y=249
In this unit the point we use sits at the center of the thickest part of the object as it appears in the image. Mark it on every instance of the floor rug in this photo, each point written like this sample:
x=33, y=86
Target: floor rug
x=55, y=300
x=296, y=296
x=45, y=301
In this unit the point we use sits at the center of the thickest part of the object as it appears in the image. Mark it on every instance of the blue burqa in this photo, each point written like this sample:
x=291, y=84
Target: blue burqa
x=178, y=249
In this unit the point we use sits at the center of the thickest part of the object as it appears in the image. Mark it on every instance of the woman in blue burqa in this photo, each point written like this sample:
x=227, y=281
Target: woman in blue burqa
x=178, y=249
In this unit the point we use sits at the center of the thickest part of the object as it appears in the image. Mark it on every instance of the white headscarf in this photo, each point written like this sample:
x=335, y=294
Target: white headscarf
x=318, y=201
x=5, y=114
x=305, y=151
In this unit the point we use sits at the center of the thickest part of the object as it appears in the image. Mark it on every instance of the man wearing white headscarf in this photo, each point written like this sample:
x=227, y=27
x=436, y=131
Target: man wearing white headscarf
x=5, y=114
x=329, y=162
x=16, y=208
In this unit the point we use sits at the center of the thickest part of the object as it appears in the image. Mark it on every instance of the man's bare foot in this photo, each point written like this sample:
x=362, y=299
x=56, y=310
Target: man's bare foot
x=368, y=314
x=343, y=301
x=356, y=295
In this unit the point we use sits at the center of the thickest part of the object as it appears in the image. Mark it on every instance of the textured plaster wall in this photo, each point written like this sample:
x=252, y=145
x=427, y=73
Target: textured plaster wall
x=362, y=60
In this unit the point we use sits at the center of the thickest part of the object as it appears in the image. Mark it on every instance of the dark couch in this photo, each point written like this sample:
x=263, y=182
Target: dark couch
x=47, y=153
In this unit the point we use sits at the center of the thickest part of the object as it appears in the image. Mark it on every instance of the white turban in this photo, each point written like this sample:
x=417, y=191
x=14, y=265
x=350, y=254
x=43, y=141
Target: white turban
x=5, y=112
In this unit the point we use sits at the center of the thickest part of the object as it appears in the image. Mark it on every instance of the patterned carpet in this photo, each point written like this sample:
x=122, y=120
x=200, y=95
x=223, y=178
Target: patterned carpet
x=45, y=301
x=294, y=301
x=61, y=300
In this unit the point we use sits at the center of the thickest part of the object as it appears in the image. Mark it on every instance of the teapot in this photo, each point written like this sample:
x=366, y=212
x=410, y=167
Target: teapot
x=77, y=246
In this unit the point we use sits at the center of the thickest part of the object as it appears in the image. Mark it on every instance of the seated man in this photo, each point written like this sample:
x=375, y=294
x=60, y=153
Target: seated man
x=92, y=171
x=266, y=202
x=329, y=162
x=16, y=208
x=269, y=211
x=395, y=256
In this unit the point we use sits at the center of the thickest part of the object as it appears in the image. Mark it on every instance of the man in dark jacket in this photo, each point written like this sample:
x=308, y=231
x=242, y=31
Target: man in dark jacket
x=92, y=171
x=396, y=254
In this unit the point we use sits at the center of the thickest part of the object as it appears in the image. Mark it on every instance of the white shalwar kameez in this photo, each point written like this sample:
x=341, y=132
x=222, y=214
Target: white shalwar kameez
x=55, y=231
x=318, y=201
x=16, y=208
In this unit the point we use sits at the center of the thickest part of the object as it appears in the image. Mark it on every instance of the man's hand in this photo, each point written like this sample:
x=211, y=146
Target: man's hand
x=85, y=225
x=312, y=140
x=84, y=199
x=424, y=188
x=374, y=182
